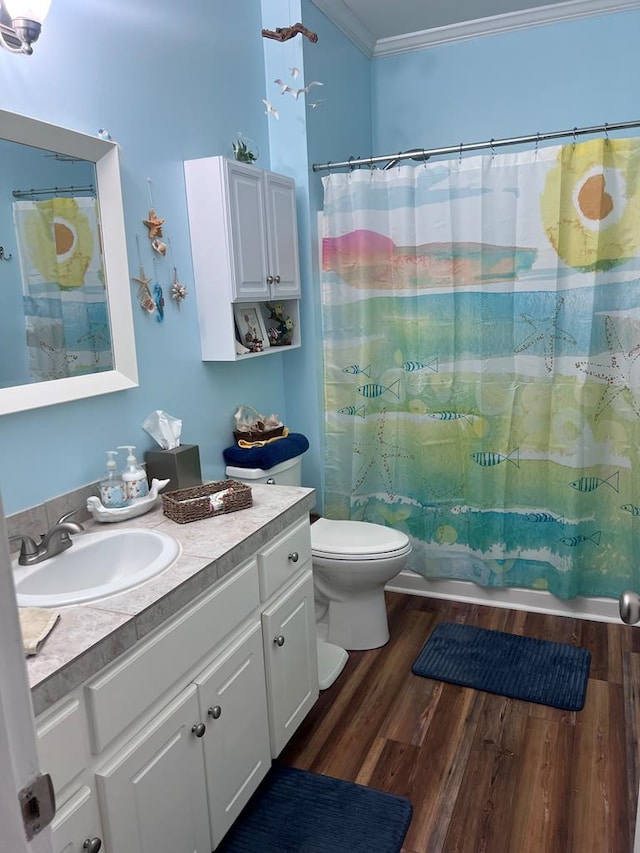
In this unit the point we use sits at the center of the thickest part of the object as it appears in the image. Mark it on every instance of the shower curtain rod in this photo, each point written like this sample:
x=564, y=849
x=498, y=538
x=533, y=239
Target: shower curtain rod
x=54, y=190
x=425, y=153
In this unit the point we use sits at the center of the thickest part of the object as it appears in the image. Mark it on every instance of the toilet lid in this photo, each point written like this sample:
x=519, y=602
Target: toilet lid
x=356, y=540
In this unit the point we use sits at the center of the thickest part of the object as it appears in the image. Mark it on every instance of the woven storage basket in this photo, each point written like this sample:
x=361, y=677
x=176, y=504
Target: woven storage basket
x=194, y=504
x=257, y=434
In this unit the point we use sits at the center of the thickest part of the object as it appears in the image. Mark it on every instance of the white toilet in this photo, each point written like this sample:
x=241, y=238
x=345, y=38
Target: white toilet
x=352, y=562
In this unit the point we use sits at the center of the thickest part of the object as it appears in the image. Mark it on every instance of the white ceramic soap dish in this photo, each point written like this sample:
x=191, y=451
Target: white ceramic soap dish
x=122, y=513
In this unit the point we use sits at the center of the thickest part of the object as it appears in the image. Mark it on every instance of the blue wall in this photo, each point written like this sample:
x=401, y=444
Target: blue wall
x=169, y=84
x=547, y=78
x=173, y=83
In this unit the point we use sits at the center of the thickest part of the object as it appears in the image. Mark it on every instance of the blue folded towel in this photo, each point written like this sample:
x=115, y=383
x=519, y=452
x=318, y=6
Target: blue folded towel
x=269, y=455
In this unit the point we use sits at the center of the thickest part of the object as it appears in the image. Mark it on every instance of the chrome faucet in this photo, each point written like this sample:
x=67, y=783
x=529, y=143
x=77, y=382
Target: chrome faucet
x=53, y=542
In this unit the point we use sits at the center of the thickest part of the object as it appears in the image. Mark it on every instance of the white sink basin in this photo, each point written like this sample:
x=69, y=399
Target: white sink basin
x=97, y=565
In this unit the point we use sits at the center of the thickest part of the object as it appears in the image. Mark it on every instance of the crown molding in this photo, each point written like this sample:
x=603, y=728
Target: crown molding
x=571, y=10
x=349, y=23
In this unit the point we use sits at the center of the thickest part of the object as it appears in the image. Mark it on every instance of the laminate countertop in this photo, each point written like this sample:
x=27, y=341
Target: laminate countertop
x=89, y=636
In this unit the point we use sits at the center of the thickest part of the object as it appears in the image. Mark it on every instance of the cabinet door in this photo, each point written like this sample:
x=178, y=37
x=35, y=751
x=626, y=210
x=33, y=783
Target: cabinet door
x=282, y=229
x=233, y=701
x=152, y=795
x=248, y=232
x=77, y=822
x=291, y=659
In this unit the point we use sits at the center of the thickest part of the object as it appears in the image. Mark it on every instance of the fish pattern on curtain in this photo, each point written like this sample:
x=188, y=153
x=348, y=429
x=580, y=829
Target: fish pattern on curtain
x=481, y=324
x=64, y=296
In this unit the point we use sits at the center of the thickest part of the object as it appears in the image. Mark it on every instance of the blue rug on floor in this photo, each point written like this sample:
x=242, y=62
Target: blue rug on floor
x=526, y=668
x=295, y=811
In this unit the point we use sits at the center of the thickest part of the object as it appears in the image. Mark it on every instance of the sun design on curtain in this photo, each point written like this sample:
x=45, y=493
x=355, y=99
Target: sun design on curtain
x=63, y=282
x=482, y=363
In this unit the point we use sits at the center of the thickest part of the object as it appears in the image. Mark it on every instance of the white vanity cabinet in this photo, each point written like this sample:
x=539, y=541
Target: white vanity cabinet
x=291, y=659
x=153, y=793
x=244, y=245
x=62, y=741
x=289, y=631
x=163, y=748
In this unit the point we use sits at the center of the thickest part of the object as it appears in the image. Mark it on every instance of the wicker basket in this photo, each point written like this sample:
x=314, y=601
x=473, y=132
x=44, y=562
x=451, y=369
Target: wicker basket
x=194, y=504
x=260, y=433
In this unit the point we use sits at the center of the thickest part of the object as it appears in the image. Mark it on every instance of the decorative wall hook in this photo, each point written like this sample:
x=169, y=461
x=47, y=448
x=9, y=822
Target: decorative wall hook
x=3, y=256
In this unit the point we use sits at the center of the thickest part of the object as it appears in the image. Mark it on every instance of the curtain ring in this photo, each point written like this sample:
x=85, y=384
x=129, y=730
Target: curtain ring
x=575, y=136
x=493, y=150
x=424, y=157
x=460, y=160
x=537, y=142
x=351, y=167
x=606, y=131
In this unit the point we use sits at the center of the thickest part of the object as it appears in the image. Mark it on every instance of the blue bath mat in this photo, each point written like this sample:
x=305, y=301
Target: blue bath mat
x=526, y=668
x=295, y=811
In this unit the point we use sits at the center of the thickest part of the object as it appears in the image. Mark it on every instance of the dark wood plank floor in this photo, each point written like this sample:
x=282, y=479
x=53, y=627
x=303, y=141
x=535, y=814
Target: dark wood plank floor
x=486, y=774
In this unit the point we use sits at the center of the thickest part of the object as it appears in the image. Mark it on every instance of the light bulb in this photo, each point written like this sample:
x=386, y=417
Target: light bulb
x=30, y=10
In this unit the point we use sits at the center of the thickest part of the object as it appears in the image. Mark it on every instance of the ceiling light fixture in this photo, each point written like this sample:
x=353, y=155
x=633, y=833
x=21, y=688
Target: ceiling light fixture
x=21, y=23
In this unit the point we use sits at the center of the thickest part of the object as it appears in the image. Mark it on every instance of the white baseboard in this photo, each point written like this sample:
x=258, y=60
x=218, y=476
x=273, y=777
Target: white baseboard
x=533, y=600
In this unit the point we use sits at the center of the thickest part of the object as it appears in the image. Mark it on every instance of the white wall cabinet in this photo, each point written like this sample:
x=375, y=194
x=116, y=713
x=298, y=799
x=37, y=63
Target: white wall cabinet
x=162, y=749
x=244, y=245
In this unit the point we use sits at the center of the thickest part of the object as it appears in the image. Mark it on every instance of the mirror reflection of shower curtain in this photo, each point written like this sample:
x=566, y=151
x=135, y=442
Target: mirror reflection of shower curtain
x=481, y=325
x=63, y=282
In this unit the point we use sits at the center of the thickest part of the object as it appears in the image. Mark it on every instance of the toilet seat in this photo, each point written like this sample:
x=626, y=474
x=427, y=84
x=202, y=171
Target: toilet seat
x=356, y=540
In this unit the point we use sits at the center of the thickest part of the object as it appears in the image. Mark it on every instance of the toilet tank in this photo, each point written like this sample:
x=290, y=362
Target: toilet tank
x=287, y=473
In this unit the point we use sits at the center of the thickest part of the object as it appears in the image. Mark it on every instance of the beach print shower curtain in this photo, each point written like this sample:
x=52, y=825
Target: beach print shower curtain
x=64, y=296
x=482, y=363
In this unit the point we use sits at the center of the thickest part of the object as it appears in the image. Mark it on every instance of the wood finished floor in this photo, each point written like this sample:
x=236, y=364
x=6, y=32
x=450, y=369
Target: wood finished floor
x=486, y=774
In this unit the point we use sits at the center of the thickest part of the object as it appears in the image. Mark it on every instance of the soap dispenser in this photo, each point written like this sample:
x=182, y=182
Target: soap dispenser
x=112, y=489
x=134, y=477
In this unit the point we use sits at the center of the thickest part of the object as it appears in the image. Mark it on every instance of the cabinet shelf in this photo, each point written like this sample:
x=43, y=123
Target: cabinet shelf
x=244, y=245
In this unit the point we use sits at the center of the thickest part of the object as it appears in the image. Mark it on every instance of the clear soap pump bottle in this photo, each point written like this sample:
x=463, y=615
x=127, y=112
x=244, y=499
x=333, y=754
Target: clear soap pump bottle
x=134, y=477
x=112, y=491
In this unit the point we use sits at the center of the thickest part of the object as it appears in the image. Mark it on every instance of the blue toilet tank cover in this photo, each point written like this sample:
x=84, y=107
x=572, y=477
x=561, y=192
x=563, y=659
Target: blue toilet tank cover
x=271, y=454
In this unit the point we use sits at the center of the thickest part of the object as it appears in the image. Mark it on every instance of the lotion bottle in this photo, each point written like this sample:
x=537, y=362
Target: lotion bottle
x=112, y=489
x=134, y=477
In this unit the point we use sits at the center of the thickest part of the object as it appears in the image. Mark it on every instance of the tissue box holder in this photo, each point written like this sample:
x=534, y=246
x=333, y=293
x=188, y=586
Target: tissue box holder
x=180, y=465
x=185, y=505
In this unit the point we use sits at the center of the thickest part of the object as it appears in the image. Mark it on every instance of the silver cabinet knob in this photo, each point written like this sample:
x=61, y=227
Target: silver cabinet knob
x=270, y=279
x=215, y=712
x=294, y=557
x=279, y=640
x=198, y=729
x=276, y=279
x=92, y=845
x=271, y=482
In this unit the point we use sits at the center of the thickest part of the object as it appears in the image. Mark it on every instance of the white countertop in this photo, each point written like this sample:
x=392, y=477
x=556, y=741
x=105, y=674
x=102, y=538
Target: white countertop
x=90, y=636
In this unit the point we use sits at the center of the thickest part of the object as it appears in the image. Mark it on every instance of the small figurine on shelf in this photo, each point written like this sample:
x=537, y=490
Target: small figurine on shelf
x=281, y=327
x=244, y=150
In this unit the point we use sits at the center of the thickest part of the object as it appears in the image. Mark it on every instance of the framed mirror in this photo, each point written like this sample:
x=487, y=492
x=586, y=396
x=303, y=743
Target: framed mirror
x=66, y=324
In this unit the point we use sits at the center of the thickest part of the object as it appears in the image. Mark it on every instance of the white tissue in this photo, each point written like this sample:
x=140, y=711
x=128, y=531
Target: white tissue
x=164, y=428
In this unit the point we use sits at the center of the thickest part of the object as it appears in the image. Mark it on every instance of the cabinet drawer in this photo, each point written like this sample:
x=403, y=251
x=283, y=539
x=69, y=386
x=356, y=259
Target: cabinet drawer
x=61, y=742
x=126, y=689
x=76, y=822
x=277, y=563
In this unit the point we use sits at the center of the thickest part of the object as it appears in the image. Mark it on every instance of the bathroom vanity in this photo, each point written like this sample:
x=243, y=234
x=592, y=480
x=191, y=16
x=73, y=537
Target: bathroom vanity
x=159, y=709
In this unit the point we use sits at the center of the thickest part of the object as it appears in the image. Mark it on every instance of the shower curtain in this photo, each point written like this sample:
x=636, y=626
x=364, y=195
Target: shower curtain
x=64, y=297
x=481, y=326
